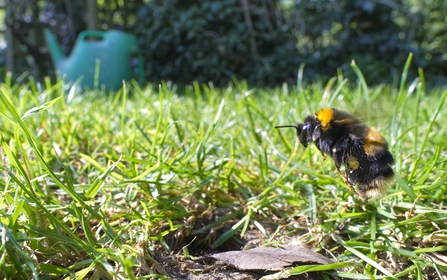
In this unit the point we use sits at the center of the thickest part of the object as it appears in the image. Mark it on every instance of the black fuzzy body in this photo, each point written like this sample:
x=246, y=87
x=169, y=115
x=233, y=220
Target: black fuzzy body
x=360, y=149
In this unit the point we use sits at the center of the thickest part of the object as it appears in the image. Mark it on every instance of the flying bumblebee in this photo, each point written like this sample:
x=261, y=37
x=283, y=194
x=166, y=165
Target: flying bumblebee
x=362, y=150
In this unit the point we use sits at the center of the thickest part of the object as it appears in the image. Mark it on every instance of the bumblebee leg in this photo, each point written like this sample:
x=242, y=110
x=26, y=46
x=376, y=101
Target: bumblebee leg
x=341, y=154
x=347, y=178
x=350, y=185
x=337, y=162
x=323, y=155
x=348, y=182
x=344, y=177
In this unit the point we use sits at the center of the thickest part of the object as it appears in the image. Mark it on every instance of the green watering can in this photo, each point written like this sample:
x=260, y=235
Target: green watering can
x=112, y=56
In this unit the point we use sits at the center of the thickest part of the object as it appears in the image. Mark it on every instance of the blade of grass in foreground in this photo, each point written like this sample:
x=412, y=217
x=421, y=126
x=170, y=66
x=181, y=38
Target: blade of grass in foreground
x=16, y=254
x=28, y=189
x=362, y=256
x=312, y=268
x=57, y=223
x=75, y=196
x=365, y=91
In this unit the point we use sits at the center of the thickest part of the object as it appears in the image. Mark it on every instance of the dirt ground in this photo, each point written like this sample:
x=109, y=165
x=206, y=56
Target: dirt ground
x=176, y=266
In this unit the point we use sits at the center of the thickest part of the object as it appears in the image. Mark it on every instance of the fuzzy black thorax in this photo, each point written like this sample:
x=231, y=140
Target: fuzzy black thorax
x=360, y=149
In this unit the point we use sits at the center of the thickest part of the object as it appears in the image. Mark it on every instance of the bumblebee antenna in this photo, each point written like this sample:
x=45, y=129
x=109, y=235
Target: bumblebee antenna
x=281, y=126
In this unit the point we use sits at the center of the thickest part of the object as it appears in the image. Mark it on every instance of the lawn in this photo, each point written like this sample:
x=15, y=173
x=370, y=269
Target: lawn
x=137, y=184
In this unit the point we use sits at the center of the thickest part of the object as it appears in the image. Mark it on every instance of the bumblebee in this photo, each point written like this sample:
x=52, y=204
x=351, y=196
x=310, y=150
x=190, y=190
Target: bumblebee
x=361, y=149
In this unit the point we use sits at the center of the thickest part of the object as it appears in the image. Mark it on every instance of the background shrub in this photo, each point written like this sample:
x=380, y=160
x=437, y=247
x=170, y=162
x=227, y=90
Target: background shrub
x=262, y=41
x=212, y=41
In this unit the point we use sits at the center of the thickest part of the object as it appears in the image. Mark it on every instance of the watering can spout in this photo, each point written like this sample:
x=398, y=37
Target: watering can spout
x=57, y=56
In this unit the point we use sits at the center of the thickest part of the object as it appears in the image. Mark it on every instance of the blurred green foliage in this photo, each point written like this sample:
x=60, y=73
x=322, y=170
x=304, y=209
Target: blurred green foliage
x=262, y=41
x=427, y=27
x=206, y=40
x=333, y=33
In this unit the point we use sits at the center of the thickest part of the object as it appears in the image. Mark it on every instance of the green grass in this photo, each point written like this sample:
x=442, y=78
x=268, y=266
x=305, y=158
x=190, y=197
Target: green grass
x=128, y=185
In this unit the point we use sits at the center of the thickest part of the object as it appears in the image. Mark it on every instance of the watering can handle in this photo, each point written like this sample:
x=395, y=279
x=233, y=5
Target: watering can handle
x=91, y=33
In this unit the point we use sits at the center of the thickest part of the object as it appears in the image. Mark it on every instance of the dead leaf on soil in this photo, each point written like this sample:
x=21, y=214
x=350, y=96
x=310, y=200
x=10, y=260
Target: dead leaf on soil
x=268, y=258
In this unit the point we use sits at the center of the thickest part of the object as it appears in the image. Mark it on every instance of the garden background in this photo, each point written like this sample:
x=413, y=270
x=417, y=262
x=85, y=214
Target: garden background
x=261, y=41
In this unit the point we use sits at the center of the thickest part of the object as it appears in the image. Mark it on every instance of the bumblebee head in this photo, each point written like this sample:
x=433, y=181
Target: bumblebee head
x=303, y=131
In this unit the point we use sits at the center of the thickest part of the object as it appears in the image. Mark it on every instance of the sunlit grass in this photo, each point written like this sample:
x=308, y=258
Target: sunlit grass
x=102, y=185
